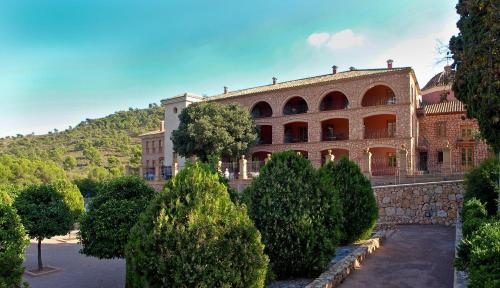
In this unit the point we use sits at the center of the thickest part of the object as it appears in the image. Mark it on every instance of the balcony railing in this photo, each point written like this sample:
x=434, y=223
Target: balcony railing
x=295, y=139
x=380, y=101
x=379, y=133
x=264, y=141
x=166, y=172
x=148, y=174
x=334, y=136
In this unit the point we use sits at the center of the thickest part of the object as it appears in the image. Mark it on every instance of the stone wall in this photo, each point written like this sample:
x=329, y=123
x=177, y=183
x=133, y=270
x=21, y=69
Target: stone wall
x=425, y=203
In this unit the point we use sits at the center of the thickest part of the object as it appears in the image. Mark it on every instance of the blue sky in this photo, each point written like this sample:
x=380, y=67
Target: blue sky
x=64, y=61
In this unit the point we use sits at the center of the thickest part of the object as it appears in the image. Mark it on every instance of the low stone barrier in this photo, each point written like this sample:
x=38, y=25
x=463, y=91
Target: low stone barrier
x=337, y=272
x=422, y=203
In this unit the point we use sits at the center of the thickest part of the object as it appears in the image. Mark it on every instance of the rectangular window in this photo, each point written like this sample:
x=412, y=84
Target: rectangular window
x=441, y=129
x=440, y=157
x=467, y=155
x=391, y=129
x=465, y=133
x=392, y=159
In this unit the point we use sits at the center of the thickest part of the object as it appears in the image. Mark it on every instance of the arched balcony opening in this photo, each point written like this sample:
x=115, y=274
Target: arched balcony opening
x=337, y=152
x=305, y=154
x=334, y=101
x=296, y=132
x=262, y=110
x=378, y=95
x=259, y=155
x=380, y=126
x=335, y=129
x=264, y=134
x=296, y=105
x=384, y=161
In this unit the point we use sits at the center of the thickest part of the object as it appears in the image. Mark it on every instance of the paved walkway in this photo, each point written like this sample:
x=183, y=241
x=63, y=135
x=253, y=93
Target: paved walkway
x=414, y=256
x=78, y=270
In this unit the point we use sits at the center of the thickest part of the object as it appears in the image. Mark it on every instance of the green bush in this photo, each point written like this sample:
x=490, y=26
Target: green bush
x=293, y=214
x=359, y=206
x=482, y=183
x=88, y=186
x=105, y=228
x=192, y=235
x=473, y=215
x=49, y=210
x=5, y=198
x=13, y=242
x=484, y=263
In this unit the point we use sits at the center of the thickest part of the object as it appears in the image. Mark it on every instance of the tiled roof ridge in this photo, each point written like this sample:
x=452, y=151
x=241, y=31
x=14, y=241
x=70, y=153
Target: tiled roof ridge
x=232, y=93
x=455, y=106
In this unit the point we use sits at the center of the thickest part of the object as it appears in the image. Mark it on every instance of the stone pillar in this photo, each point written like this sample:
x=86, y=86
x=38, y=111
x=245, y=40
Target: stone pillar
x=175, y=168
x=447, y=159
x=141, y=171
x=403, y=161
x=367, y=163
x=267, y=158
x=243, y=168
x=329, y=157
x=157, y=171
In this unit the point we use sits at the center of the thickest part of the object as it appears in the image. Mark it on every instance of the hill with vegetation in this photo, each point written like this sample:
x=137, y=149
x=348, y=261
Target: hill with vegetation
x=94, y=146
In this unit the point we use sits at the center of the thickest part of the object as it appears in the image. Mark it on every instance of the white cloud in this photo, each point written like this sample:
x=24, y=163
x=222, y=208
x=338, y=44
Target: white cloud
x=340, y=40
x=318, y=39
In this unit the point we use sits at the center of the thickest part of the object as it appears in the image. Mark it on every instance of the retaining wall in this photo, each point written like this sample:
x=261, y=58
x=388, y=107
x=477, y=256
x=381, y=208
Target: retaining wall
x=423, y=203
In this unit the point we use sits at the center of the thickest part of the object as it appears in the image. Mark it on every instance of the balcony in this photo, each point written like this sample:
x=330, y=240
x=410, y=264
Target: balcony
x=335, y=129
x=334, y=101
x=296, y=132
x=264, y=134
x=148, y=173
x=380, y=126
x=262, y=110
x=296, y=105
x=379, y=95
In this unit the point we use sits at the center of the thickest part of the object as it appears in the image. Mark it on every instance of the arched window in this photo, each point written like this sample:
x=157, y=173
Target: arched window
x=379, y=95
x=295, y=105
x=334, y=101
x=262, y=110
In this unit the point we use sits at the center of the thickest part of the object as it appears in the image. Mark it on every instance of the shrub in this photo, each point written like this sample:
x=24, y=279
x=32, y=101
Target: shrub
x=88, y=186
x=359, y=206
x=293, y=214
x=484, y=264
x=482, y=183
x=105, y=228
x=473, y=214
x=69, y=163
x=49, y=210
x=13, y=242
x=5, y=198
x=192, y=235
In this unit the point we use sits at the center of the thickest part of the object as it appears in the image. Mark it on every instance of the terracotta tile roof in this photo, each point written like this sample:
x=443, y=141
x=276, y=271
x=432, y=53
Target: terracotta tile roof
x=152, y=133
x=445, y=107
x=308, y=81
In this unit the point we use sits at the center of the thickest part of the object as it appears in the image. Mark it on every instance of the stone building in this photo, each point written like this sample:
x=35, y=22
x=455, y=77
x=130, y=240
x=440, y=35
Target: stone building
x=372, y=116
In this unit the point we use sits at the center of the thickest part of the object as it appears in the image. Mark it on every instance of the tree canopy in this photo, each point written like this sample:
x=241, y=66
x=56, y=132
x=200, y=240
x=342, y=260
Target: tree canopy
x=207, y=128
x=476, y=58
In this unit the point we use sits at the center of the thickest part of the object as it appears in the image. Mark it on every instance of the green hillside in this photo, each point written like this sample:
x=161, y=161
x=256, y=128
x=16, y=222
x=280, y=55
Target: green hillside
x=110, y=142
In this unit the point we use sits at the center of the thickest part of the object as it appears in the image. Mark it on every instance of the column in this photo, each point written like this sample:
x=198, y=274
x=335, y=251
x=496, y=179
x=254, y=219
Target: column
x=175, y=167
x=403, y=161
x=243, y=168
x=447, y=159
x=157, y=171
x=367, y=163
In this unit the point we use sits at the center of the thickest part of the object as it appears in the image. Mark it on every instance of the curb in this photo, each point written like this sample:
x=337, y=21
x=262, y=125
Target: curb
x=337, y=273
x=459, y=277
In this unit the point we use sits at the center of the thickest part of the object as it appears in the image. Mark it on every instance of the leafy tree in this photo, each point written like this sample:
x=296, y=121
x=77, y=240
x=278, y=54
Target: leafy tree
x=93, y=155
x=294, y=215
x=105, y=228
x=99, y=174
x=207, y=128
x=56, y=154
x=192, y=235
x=49, y=210
x=88, y=187
x=23, y=171
x=481, y=183
x=476, y=57
x=13, y=242
x=359, y=206
x=115, y=166
x=69, y=163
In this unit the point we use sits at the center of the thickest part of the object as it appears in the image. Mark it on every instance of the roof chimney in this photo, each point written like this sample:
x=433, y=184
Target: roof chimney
x=334, y=69
x=274, y=80
x=389, y=63
x=162, y=125
x=225, y=89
